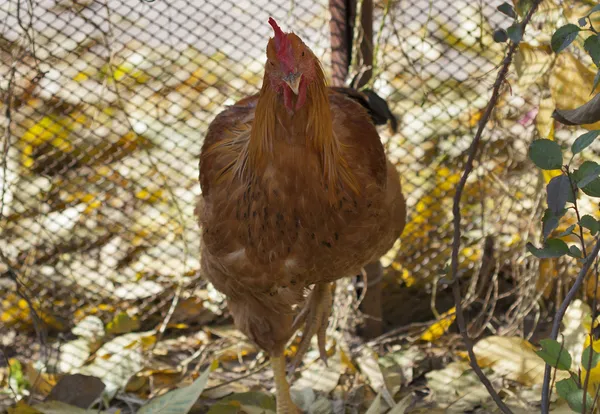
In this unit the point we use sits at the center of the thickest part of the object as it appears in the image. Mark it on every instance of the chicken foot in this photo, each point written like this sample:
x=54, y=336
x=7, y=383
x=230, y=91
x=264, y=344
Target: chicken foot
x=315, y=317
x=284, y=402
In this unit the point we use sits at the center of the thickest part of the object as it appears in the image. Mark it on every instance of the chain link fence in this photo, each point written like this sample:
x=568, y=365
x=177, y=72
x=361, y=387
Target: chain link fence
x=105, y=104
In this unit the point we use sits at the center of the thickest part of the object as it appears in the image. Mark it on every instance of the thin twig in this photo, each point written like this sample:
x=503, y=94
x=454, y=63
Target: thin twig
x=460, y=318
x=241, y=377
x=588, y=363
x=574, y=194
x=560, y=313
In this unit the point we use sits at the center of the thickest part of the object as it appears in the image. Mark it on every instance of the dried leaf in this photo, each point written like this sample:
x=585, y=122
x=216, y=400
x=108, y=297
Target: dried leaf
x=570, y=85
x=122, y=323
x=513, y=358
x=178, y=401
x=77, y=390
x=440, y=327
x=138, y=290
x=319, y=377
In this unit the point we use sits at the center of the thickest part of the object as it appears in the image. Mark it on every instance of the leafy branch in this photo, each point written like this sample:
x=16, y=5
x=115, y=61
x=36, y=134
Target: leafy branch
x=456, y=292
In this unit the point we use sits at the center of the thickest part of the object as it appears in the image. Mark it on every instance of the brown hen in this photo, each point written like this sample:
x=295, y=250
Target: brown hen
x=296, y=193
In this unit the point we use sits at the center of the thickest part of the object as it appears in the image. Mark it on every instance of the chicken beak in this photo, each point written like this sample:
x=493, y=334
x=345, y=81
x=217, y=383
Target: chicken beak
x=293, y=81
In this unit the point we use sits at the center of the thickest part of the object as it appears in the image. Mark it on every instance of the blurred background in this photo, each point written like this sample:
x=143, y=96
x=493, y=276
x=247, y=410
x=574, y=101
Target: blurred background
x=104, y=108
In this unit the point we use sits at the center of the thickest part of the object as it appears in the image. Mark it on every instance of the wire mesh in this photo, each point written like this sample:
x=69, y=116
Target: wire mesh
x=105, y=106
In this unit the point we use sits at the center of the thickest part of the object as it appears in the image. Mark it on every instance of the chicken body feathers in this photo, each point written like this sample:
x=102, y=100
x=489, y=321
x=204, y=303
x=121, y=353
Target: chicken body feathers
x=267, y=238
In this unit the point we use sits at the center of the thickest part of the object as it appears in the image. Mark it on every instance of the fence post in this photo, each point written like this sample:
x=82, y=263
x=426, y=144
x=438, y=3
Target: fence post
x=340, y=28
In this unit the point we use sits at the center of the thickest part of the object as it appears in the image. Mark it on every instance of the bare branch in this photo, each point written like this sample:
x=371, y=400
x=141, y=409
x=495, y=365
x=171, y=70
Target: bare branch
x=460, y=318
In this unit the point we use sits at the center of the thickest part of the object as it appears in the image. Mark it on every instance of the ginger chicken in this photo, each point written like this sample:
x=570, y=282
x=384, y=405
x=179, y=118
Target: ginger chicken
x=296, y=193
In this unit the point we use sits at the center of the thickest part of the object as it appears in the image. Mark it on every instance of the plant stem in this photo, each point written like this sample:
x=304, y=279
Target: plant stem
x=560, y=313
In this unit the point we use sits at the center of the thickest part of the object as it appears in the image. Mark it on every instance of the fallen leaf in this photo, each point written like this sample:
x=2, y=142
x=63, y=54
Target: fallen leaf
x=401, y=407
x=439, y=328
x=138, y=290
x=77, y=390
x=457, y=388
x=178, y=401
x=57, y=407
x=90, y=328
x=368, y=364
x=122, y=323
x=73, y=354
x=22, y=408
x=118, y=360
x=41, y=382
x=319, y=377
x=513, y=358
x=376, y=406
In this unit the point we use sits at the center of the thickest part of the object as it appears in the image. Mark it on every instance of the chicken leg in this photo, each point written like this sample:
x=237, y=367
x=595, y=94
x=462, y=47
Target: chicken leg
x=315, y=316
x=285, y=405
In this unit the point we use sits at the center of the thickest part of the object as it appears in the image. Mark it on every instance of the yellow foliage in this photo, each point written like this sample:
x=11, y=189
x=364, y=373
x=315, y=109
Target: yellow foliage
x=92, y=310
x=439, y=328
x=51, y=129
x=16, y=311
x=594, y=381
x=571, y=83
x=22, y=408
x=122, y=323
x=41, y=382
x=80, y=77
x=544, y=122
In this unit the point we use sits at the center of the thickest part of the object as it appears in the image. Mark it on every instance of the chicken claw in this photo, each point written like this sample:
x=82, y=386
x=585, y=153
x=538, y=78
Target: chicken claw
x=315, y=317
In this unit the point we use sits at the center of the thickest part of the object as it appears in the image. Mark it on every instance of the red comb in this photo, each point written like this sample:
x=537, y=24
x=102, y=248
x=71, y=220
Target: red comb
x=280, y=37
x=283, y=46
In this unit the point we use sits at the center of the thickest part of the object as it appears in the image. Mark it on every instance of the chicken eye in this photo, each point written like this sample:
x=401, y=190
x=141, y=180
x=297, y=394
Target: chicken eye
x=272, y=63
x=302, y=53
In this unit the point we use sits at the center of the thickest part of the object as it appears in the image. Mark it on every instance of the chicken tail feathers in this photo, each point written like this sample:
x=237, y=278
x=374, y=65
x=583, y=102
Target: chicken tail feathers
x=377, y=107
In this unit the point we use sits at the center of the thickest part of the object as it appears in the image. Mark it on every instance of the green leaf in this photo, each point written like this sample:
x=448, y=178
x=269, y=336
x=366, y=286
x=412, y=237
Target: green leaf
x=584, y=141
x=546, y=154
x=596, y=81
x=515, y=32
x=586, y=175
x=552, y=248
x=594, y=9
x=590, y=223
x=558, y=191
x=500, y=36
x=523, y=6
x=575, y=252
x=563, y=37
x=507, y=9
x=254, y=399
x=178, y=401
x=567, y=232
x=585, y=359
x=59, y=407
x=592, y=46
x=592, y=189
x=565, y=387
x=550, y=221
x=575, y=400
x=554, y=354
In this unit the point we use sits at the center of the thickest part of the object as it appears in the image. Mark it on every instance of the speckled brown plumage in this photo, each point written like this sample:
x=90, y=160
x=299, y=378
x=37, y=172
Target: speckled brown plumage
x=291, y=206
